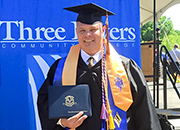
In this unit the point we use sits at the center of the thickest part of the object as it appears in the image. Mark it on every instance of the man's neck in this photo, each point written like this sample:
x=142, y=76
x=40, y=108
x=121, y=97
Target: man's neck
x=85, y=56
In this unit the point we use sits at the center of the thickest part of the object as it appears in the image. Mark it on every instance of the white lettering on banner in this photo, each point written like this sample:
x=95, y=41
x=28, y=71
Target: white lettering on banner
x=13, y=45
x=8, y=29
x=47, y=31
x=125, y=36
x=53, y=45
x=125, y=44
x=132, y=33
x=33, y=45
x=3, y=45
x=23, y=45
x=122, y=32
x=41, y=45
x=75, y=35
x=22, y=29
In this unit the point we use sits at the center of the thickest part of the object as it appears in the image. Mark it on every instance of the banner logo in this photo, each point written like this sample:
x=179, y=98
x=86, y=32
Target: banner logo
x=18, y=35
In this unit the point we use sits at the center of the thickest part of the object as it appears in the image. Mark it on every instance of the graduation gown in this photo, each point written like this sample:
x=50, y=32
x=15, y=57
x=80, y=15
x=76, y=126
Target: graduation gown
x=140, y=116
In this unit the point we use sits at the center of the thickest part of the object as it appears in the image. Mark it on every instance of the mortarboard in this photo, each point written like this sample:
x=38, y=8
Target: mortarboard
x=89, y=13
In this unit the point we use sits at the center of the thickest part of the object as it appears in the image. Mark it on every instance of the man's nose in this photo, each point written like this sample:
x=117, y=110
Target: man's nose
x=88, y=33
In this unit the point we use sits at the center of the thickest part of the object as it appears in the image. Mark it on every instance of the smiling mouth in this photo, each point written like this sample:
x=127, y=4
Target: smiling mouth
x=88, y=41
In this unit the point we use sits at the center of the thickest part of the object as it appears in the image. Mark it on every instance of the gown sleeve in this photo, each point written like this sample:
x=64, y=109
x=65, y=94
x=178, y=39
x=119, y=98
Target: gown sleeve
x=142, y=114
x=42, y=102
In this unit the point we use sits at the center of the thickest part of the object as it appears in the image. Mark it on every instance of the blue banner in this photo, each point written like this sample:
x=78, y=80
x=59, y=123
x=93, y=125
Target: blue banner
x=33, y=34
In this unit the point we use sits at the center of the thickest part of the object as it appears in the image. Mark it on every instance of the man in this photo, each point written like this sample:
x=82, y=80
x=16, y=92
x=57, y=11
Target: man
x=175, y=54
x=125, y=115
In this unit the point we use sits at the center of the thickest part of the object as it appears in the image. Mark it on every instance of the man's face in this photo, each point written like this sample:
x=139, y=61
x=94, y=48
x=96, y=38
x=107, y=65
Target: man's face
x=90, y=37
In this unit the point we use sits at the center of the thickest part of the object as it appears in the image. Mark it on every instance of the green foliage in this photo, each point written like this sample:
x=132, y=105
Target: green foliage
x=168, y=34
x=147, y=32
x=173, y=39
x=165, y=25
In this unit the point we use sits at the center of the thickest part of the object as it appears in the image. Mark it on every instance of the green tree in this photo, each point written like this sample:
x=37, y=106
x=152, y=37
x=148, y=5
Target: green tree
x=147, y=32
x=164, y=24
x=171, y=40
x=168, y=34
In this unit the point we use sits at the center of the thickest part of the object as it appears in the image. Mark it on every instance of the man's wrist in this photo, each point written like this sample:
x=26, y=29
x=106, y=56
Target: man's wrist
x=59, y=123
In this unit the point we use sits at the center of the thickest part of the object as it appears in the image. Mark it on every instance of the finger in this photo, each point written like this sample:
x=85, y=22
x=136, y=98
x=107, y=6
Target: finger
x=73, y=122
x=80, y=121
x=76, y=117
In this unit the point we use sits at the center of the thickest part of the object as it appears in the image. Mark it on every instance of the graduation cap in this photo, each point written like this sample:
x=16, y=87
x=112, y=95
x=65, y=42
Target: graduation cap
x=89, y=13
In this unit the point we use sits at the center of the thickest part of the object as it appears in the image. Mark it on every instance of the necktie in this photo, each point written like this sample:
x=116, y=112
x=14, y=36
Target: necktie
x=90, y=60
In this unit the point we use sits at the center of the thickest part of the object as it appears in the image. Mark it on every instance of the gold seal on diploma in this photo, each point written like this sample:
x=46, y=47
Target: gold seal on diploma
x=69, y=101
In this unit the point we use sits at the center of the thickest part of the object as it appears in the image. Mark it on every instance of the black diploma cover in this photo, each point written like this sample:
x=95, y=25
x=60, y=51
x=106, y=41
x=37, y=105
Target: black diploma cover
x=66, y=101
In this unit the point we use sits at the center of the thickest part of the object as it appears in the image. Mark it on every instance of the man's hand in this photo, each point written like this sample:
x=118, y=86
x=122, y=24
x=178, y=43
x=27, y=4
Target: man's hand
x=74, y=121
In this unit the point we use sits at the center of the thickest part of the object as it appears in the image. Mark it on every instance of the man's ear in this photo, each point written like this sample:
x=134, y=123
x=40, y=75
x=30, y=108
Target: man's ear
x=104, y=28
x=76, y=30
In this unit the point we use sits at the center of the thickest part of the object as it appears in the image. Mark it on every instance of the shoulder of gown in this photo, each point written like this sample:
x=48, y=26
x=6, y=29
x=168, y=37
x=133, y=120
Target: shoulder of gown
x=142, y=113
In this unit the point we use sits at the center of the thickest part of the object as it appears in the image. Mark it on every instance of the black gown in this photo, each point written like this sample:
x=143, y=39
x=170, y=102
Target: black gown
x=140, y=116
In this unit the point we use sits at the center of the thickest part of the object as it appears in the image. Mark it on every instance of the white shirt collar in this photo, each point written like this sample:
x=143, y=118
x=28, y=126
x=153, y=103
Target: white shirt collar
x=85, y=57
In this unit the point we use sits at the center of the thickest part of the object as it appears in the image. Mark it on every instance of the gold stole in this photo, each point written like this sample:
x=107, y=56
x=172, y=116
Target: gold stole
x=119, y=82
x=70, y=66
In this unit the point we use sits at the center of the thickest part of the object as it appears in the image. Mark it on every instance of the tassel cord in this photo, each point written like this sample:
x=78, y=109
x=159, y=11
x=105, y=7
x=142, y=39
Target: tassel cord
x=104, y=86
